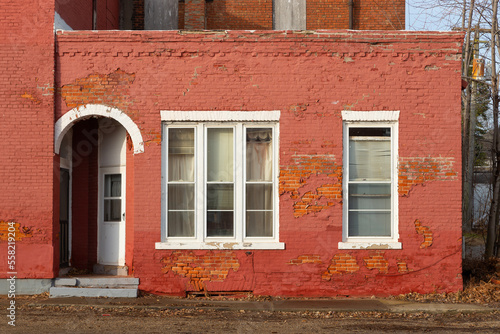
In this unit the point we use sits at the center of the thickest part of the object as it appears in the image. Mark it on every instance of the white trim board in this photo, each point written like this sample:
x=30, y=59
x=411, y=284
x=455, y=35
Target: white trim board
x=220, y=116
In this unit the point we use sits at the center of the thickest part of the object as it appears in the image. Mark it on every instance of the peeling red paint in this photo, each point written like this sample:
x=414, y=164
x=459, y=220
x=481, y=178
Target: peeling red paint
x=109, y=89
x=307, y=259
x=426, y=232
x=201, y=268
x=341, y=264
x=377, y=261
x=314, y=170
x=415, y=171
x=15, y=230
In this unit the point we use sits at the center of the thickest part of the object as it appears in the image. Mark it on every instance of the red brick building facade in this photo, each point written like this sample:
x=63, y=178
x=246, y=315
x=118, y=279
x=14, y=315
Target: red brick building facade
x=283, y=163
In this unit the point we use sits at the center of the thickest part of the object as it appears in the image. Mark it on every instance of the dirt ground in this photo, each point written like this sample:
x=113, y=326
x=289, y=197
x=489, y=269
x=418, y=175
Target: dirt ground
x=34, y=314
x=85, y=319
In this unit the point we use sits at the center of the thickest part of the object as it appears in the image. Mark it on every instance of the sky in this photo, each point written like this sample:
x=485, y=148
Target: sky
x=431, y=18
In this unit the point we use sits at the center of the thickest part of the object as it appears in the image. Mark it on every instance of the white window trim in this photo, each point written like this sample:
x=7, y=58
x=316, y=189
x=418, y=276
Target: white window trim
x=371, y=119
x=200, y=120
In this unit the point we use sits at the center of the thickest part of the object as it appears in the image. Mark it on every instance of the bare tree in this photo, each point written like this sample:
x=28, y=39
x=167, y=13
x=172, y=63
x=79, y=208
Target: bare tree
x=491, y=237
x=478, y=18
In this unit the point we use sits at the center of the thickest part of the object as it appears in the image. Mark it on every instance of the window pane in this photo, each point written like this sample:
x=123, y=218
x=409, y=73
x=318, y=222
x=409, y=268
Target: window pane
x=181, y=196
x=370, y=196
x=220, y=223
x=220, y=154
x=181, y=154
x=112, y=210
x=364, y=224
x=180, y=223
x=112, y=185
x=220, y=197
x=259, y=154
x=369, y=159
x=259, y=224
x=259, y=196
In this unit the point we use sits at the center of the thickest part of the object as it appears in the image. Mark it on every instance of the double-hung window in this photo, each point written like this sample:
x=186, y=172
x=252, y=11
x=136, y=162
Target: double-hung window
x=219, y=180
x=370, y=206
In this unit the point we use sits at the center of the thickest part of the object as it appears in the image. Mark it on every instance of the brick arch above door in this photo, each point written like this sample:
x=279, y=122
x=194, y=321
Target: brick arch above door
x=66, y=121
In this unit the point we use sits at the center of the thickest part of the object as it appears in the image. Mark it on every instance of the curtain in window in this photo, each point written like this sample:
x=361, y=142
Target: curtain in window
x=180, y=182
x=220, y=182
x=259, y=188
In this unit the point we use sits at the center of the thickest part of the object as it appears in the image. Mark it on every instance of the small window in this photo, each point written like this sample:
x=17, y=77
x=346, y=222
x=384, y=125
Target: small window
x=370, y=184
x=220, y=185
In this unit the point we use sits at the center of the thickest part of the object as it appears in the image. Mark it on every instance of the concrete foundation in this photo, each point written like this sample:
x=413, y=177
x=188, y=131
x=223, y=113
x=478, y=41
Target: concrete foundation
x=26, y=286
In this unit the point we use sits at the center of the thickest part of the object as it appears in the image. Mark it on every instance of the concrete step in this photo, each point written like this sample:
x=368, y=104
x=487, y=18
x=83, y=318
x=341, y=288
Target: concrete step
x=57, y=292
x=116, y=287
x=97, y=282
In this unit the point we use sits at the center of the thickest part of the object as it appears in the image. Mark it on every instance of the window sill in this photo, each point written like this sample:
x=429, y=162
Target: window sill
x=220, y=245
x=370, y=245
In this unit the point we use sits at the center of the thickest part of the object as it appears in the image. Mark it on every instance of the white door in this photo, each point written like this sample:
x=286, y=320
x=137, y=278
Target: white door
x=111, y=228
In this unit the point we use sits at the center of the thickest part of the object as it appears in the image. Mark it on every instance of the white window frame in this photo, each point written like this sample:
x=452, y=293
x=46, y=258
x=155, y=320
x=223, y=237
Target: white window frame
x=200, y=121
x=379, y=119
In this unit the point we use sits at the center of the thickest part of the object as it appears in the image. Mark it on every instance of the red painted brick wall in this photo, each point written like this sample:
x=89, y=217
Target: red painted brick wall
x=310, y=79
x=27, y=172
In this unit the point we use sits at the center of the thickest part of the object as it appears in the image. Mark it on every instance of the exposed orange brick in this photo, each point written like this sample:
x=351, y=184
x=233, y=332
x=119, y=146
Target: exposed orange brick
x=13, y=229
x=341, y=264
x=294, y=177
x=377, y=261
x=414, y=171
x=305, y=259
x=426, y=232
x=201, y=268
x=402, y=266
x=108, y=89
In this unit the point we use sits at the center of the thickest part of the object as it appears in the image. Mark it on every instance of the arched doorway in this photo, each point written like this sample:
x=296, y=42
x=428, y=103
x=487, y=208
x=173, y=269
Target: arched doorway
x=92, y=143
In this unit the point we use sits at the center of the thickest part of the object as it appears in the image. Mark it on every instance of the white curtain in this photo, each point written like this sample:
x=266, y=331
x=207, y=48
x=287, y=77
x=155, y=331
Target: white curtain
x=220, y=182
x=181, y=193
x=220, y=158
x=259, y=193
x=370, y=159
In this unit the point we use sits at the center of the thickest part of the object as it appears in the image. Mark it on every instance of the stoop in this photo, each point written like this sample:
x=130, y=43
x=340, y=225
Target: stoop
x=95, y=286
